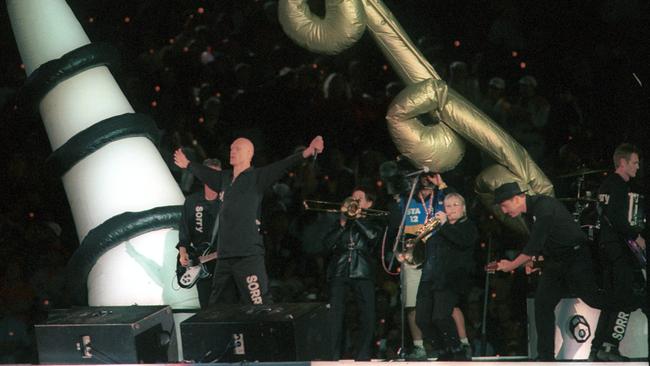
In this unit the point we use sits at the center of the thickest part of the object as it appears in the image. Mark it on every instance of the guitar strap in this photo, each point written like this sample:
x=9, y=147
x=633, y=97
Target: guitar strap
x=606, y=219
x=215, y=228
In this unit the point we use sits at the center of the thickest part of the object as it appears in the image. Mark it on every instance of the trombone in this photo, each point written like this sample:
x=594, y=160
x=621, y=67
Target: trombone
x=349, y=207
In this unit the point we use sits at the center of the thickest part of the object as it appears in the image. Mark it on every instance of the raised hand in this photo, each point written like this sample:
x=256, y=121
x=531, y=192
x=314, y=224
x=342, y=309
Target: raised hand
x=180, y=159
x=316, y=146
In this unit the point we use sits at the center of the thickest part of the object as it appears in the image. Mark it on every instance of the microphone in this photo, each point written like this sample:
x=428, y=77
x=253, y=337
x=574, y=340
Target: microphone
x=418, y=172
x=638, y=81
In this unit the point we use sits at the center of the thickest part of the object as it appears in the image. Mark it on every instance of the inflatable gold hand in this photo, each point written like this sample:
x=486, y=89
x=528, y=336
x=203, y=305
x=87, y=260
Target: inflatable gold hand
x=439, y=147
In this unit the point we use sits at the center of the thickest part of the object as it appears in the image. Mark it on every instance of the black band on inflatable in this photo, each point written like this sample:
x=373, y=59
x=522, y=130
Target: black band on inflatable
x=101, y=133
x=51, y=73
x=109, y=234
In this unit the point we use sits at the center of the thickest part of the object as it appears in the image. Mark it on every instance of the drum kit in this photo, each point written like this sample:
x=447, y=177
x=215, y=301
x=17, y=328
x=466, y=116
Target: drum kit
x=585, y=203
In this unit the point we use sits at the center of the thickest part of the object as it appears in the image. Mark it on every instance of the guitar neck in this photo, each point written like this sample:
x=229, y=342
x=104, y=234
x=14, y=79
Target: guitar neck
x=207, y=257
x=638, y=252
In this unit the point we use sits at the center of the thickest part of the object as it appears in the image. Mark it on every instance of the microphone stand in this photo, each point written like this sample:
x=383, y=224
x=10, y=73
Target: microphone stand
x=486, y=291
x=400, y=232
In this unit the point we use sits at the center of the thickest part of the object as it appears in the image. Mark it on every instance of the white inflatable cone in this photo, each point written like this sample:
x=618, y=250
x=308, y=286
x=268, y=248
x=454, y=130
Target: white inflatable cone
x=125, y=175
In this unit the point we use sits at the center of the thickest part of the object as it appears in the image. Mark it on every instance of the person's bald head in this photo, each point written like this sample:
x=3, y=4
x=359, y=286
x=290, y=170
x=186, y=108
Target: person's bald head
x=241, y=152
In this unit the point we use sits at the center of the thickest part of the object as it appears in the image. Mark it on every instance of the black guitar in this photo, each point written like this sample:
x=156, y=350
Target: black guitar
x=200, y=254
x=639, y=253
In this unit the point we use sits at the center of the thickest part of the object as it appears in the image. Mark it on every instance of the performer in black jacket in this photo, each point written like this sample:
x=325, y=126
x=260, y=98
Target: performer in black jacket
x=621, y=267
x=567, y=262
x=239, y=241
x=352, y=242
x=195, y=230
x=445, y=277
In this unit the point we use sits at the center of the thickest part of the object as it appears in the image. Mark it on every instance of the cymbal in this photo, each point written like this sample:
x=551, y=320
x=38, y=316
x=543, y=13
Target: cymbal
x=574, y=199
x=582, y=171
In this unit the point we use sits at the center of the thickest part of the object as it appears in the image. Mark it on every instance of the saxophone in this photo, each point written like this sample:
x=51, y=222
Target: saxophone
x=412, y=253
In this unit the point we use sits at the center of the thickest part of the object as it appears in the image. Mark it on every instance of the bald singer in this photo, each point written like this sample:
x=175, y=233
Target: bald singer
x=240, y=249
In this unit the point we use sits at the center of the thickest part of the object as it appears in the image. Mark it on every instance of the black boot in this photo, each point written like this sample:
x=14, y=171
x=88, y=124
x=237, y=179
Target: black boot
x=445, y=355
x=609, y=353
x=454, y=354
x=460, y=354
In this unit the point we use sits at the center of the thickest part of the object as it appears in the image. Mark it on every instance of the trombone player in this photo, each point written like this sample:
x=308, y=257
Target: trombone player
x=352, y=242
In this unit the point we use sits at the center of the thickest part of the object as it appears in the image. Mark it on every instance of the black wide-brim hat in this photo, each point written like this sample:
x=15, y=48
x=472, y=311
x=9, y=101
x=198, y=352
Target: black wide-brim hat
x=506, y=191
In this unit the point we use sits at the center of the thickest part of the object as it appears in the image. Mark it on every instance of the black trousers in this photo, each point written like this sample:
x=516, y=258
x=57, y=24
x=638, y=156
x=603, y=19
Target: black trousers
x=569, y=275
x=619, y=281
x=433, y=315
x=364, y=291
x=204, y=286
x=249, y=277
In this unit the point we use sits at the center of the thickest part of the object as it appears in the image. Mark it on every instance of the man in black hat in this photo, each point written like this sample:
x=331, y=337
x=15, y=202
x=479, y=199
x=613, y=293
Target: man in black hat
x=567, y=262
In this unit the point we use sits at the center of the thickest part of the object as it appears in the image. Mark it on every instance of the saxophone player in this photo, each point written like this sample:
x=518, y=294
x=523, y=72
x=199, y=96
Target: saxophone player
x=427, y=202
x=445, y=277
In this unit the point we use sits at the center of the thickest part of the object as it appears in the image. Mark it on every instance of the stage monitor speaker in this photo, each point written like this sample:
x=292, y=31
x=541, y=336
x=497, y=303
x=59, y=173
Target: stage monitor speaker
x=107, y=334
x=575, y=328
x=277, y=332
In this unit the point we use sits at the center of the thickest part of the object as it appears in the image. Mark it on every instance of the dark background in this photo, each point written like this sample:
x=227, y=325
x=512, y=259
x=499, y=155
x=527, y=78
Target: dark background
x=270, y=90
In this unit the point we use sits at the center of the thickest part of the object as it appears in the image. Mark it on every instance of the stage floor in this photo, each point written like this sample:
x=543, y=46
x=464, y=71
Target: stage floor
x=483, y=361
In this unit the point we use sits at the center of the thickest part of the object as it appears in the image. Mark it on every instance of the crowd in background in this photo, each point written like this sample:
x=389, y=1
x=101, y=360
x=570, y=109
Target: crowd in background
x=561, y=80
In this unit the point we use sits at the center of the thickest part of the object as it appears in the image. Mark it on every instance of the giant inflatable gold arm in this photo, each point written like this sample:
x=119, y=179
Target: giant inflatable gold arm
x=342, y=26
x=437, y=147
